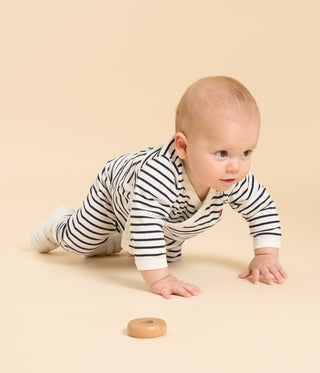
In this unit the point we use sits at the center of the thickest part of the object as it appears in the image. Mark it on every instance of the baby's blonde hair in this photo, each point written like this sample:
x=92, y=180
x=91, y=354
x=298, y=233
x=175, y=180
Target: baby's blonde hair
x=208, y=92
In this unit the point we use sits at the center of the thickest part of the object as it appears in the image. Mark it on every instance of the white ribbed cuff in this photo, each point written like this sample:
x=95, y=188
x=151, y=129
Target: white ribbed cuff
x=266, y=241
x=146, y=264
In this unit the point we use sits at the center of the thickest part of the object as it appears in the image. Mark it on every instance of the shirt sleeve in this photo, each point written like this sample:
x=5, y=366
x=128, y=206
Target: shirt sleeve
x=154, y=193
x=253, y=202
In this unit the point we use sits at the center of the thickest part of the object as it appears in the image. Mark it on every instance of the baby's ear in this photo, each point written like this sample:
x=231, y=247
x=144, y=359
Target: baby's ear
x=180, y=144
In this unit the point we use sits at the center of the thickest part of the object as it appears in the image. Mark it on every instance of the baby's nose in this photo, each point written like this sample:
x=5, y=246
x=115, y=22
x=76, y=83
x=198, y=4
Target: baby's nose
x=233, y=165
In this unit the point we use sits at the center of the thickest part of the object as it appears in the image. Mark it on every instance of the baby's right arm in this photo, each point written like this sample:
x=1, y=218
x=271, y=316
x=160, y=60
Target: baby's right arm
x=162, y=282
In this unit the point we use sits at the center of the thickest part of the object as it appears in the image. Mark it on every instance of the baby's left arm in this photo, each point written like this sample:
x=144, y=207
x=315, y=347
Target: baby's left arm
x=265, y=263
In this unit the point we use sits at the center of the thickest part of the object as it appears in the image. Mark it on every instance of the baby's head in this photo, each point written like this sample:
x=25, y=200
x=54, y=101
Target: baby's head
x=217, y=128
x=208, y=97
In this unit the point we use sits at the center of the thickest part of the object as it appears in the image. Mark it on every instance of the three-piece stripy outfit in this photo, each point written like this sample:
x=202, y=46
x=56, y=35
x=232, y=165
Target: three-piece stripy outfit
x=147, y=197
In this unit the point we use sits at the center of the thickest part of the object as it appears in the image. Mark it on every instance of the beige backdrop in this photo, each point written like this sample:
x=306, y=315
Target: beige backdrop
x=84, y=81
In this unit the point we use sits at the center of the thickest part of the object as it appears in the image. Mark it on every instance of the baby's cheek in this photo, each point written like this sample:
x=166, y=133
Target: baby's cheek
x=207, y=170
x=216, y=168
x=245, y=168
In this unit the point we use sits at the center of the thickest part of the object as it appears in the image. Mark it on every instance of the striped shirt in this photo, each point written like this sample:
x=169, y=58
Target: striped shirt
x=150, y=199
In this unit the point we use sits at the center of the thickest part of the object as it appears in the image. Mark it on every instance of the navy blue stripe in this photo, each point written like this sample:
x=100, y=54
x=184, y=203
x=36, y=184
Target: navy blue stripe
x=251, y=204
x=261, y=217
x=148, y=191
x=90, y=222
x=214, y=205
x=267, y=230
x=266, y=223
x=173, y=257
x=146, y=255
x=89, y=230
x=145, y=231
x=164, y=212
x=240, y=187
x=267, y=234
x=74, y=227
x=146, y=247
x=99, y=203
x=143, y=217
x=205, y=216
x=156, y=181
x=164, y=166
x=160, y=173
x=145, y=224
x=146, y=239
x=168, y=147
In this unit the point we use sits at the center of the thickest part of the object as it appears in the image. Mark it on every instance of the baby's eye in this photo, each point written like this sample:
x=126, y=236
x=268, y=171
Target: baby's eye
x=246, y=153
x=222, y=153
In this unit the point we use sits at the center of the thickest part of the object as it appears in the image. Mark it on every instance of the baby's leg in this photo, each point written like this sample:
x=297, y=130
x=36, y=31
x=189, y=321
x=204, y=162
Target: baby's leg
x=89, y=227
x=43, y=238
x=86, y=231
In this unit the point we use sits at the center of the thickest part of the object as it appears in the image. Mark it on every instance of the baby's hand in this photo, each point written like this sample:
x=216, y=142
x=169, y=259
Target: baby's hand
x=171, y=285
x=265, y=263
x=162, y=282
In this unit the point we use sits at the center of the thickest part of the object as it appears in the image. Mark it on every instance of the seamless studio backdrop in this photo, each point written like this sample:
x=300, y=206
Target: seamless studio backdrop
x=84, y=81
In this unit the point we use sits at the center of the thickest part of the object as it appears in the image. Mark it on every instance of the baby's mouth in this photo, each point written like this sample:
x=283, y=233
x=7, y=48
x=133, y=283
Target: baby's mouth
x=228, y=180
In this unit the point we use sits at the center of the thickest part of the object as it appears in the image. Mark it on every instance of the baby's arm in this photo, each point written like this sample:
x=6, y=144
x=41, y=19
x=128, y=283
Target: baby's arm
x=265, y=263
x=162, y=282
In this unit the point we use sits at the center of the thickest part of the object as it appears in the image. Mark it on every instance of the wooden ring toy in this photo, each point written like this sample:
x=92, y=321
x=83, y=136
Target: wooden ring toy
x=146, y=327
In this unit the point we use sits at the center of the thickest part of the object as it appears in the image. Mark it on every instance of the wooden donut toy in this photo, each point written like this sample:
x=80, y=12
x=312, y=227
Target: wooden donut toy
x=146, y=327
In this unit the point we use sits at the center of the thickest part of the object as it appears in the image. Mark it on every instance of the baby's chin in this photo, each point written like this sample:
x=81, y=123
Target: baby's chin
x=223, y=186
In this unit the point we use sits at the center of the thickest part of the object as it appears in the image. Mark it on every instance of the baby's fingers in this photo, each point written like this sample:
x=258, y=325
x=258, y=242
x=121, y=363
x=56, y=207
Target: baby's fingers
x=166, y=293
x=279, y=274
x=177, y=290
x=282, y=272
x=192, y=289
x=180, y=290
x=184, y=290
x=268, y=276
x=245, y=274
x=256, y=276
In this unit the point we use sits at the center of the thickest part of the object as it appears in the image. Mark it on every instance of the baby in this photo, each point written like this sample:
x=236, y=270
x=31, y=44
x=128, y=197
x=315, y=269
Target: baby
x=149, y=202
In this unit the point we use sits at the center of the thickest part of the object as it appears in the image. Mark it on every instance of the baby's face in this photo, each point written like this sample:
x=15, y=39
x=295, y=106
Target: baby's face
x=218, y=154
